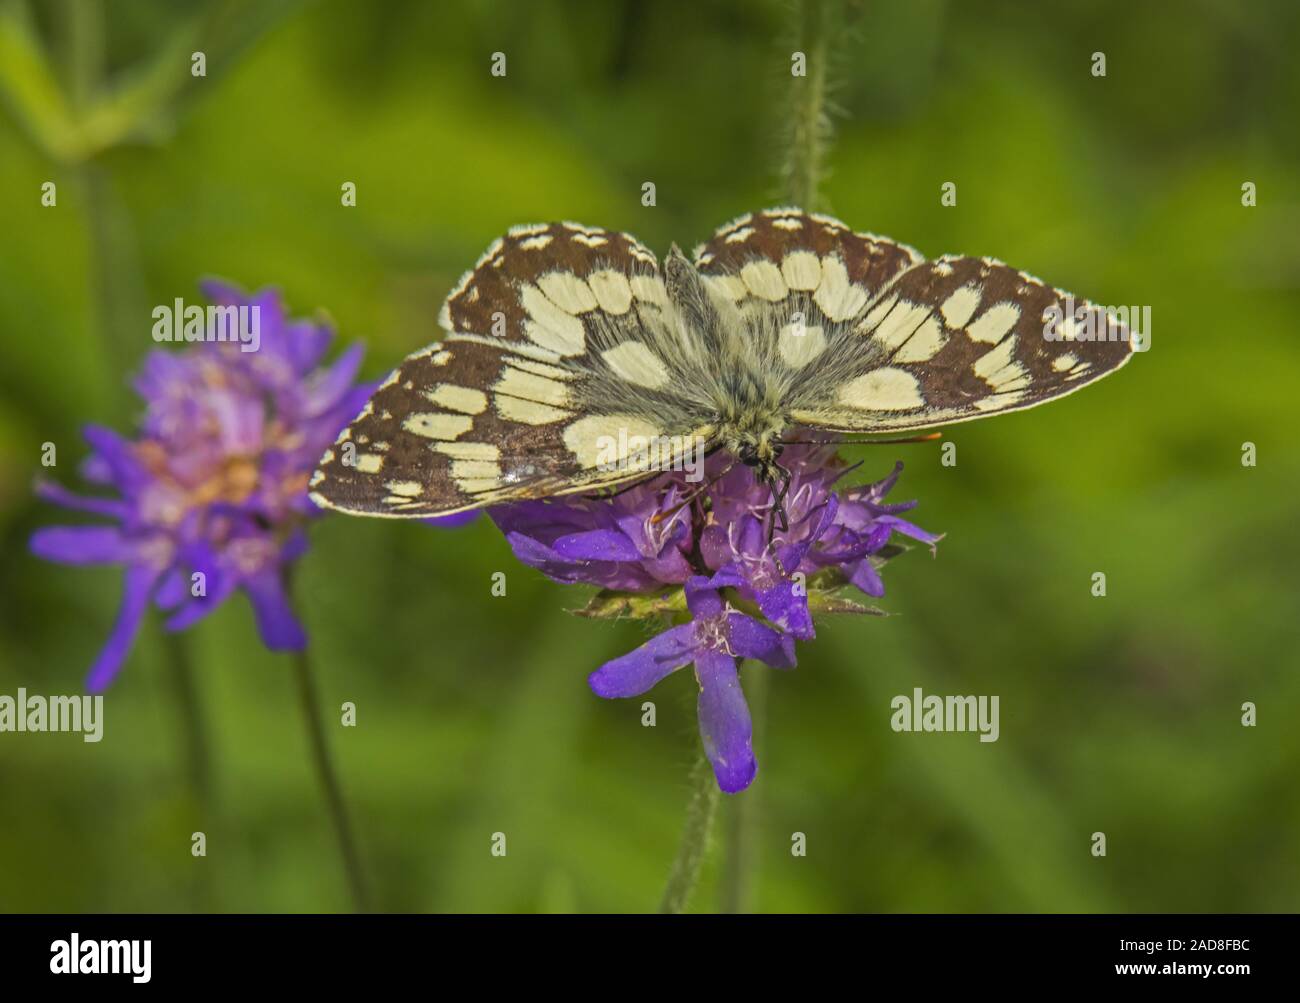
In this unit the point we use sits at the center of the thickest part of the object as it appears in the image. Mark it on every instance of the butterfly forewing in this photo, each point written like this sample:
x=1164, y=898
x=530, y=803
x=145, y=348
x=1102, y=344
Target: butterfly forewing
x=956, y=339
x=562, y=349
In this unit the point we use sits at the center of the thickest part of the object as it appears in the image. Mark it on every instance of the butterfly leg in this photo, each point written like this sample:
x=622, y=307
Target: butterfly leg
x=777, y=518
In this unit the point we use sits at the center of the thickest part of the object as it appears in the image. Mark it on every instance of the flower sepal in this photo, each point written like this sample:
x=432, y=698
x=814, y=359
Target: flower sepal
x=614, y=604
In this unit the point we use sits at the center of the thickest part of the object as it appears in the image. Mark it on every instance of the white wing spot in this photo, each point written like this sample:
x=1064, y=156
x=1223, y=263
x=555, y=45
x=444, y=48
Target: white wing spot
x=536, y=243
x=838, y=298
x=467, y=450
x=885, y=389
x=649, y=288
x=464, y=399
x=924, y=344
x=550, y=327
x=570, y=293
x=799, y=349
x=736, y=223
x=607, y=439
x=994, y=323
x=875, y=315
x=528, y=412
x=540, y=368
x=1064, y=361
x=634, y=362
x=764, y=280
x=475, y=475
x=368, y=463
x=438, y=426
x=999, y=368
x=901, y=323
x=958, y=308
x=801, y=269
x=730, y=286
x=408, y=489
x=611, y=290
x=741, y=235
x=531, y=387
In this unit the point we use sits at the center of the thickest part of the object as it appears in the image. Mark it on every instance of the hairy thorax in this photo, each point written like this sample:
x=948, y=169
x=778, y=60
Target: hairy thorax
x=750, y=418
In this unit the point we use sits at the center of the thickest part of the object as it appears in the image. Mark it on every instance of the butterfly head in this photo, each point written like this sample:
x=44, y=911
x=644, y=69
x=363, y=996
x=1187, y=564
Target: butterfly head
x=761, y=455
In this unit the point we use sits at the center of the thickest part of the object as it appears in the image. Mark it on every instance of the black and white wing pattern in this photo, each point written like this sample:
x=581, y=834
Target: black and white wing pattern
x=562, y=355
x=867, y=336
x=572, y=361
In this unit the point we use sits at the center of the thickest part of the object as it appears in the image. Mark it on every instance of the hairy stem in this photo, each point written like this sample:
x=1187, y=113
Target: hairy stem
x=808, y=114
x=695, y=838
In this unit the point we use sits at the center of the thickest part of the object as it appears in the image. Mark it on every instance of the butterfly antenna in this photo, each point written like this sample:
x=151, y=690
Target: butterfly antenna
x=659, y=517
x=929, y=437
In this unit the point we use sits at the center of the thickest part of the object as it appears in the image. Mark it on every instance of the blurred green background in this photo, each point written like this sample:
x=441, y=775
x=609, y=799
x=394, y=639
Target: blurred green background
x=1118, y=714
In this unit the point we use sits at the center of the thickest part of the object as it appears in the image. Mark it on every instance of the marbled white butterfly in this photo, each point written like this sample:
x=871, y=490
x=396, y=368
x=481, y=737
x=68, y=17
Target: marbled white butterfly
x=566, y=342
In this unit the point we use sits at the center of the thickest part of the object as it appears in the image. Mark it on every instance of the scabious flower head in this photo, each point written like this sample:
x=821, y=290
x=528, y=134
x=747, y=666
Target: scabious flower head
x=701, y=553
x=215, y=482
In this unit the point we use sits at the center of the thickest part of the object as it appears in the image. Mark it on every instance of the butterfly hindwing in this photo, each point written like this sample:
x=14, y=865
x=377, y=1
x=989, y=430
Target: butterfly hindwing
x=768, y=255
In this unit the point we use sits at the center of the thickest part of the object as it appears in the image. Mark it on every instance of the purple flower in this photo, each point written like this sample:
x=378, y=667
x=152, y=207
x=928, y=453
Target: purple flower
x=211, y=496
x=714, y=638
x=714, y=546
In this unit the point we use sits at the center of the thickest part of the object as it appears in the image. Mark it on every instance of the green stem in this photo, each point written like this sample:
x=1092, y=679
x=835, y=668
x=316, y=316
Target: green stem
x=808, y=115
x=695, y=838
x=195, y=737
x=329, y=781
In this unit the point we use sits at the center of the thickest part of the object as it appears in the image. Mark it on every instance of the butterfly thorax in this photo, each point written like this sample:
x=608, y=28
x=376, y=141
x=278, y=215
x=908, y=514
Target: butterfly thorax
x=750, y=421
x=748, y=413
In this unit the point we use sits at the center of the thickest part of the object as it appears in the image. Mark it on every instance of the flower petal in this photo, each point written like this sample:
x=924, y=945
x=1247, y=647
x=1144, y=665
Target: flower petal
x=112, y=508
x=750, y=639
x=140, y=579
x=276, y=620
x=115, y=454
x=864, y=575
x=632, y=674
x=326, y=387
x=702, y=597
x=81, y=544
x=909, y=529
x=725, y=727
x=597, y=545
x=454, y=520
x=786, y=607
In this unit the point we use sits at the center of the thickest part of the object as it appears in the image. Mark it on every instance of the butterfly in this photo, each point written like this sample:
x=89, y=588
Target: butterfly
x=575, y=361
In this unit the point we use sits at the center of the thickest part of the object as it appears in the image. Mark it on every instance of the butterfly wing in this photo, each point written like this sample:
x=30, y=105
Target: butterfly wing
x=886, y=340
x=559, y=359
